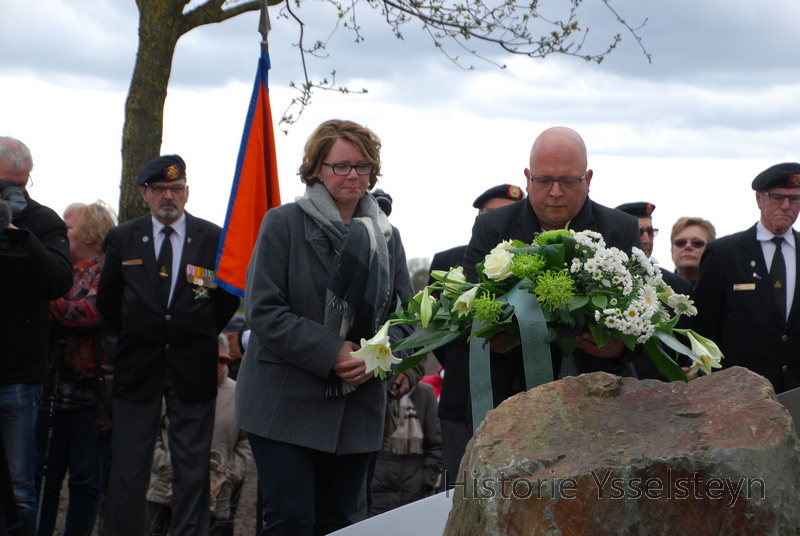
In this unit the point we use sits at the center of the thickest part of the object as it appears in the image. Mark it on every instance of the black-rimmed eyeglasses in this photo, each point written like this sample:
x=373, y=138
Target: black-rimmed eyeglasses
x=777, y=199
x=566, y=183
x=158, y=190
x=364, y=168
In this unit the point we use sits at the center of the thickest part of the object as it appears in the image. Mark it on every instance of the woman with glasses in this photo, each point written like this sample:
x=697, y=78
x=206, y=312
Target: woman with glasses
x=326, y=272
x=688, y=239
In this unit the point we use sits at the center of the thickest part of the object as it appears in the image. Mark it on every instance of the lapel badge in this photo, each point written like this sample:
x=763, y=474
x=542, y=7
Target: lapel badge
x=145, y=238
x=753, y=264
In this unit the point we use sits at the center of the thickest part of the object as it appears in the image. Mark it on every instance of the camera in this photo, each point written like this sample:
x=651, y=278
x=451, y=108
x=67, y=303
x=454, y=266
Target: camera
x=14, y=197
x=13, y=242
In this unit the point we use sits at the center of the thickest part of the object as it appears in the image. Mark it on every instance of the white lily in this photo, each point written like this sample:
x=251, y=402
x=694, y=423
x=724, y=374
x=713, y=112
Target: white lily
x=452, y=279
x=464, y=302
x=707, y=350
x=376, y=353
x=425, y=301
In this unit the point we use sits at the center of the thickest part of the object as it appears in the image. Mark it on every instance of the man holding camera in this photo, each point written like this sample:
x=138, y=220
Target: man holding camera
x=34, y=268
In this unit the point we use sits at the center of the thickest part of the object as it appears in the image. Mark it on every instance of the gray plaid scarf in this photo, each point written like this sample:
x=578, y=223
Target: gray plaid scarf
x=358, y=285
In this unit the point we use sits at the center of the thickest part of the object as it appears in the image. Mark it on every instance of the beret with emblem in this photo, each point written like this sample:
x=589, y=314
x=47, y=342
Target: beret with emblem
x=503, y=191
x=166, y=168
x=786, y=175
x=639, y=209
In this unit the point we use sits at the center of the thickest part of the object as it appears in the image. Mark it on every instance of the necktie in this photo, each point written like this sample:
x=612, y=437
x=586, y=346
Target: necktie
x=164, y=262
x=777, y=272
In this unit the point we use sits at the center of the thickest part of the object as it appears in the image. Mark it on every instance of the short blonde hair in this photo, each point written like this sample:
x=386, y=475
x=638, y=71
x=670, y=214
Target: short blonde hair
x=96, y=219
x=321, y=140
x=686, y=221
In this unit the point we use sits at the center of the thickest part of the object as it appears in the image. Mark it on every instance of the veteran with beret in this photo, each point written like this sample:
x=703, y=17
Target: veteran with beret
x=746, y=295
x=157, y=292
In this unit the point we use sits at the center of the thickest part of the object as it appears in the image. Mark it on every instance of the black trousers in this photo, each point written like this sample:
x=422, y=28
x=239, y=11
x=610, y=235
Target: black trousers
x=133, y=440
x=307, y=492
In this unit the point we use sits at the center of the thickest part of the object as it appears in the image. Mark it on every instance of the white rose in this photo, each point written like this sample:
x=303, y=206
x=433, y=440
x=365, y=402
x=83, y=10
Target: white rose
x=497, y=265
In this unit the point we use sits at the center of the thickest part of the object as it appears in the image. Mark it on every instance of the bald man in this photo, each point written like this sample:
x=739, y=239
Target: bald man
x=558, y=181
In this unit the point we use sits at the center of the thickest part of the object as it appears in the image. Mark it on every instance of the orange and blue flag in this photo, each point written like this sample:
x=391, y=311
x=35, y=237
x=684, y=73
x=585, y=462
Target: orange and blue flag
x=255, y=188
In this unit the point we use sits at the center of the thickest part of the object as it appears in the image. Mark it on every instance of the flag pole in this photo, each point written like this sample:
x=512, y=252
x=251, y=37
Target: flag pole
x=255, y=187
x=264, y=26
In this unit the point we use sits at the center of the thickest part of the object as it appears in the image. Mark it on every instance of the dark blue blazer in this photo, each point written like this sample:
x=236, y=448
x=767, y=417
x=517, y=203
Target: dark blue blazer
x=737, y=310
x=156, y=343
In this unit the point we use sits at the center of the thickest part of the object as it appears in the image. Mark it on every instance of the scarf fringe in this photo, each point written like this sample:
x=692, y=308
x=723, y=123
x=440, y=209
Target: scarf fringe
x=338, y=387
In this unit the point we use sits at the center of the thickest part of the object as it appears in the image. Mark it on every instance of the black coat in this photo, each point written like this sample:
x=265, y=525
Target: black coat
x=454, y=357
x=518, y=221
x=737, y=310
x=155, y=343
x=29, y=283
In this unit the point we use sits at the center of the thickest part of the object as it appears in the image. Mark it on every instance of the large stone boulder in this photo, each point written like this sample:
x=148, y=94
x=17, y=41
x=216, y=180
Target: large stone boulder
x=598, y=454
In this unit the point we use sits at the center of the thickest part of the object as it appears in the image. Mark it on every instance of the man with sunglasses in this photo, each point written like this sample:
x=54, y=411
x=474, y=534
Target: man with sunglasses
x=746, y=296
x=558, y=183
x=157, y=292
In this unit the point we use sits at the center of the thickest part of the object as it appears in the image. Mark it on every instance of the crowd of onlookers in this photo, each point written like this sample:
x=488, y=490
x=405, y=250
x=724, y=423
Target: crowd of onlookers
x=126, y=371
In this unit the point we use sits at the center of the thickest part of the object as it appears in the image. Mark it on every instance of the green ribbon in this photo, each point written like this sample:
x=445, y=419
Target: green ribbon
x=480, y=377
x=535, y=352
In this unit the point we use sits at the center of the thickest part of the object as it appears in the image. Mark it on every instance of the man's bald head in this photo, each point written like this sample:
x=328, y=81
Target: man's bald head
x=558, y=153
x=559, y=142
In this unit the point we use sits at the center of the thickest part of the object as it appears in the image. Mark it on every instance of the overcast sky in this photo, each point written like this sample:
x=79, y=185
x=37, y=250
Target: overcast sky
x=719, y=103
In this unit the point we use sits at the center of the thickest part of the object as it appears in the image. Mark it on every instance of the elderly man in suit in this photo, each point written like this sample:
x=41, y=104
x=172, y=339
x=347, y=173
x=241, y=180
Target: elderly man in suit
x=746, y=295
x=157, y=292
x=558, y=183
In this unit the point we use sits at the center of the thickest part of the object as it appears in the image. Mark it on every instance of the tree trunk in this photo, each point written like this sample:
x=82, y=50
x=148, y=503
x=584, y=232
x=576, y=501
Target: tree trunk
x=160, y=27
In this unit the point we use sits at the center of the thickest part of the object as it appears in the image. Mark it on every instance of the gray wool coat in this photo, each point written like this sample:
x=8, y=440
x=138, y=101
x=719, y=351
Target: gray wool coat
x=280, y=391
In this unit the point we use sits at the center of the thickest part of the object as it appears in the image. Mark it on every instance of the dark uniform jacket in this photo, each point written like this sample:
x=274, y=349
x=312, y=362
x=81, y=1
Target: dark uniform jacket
x=737, y=310
x=454, y=357
x=155, y=343
x=518, y=221
x=28, y=285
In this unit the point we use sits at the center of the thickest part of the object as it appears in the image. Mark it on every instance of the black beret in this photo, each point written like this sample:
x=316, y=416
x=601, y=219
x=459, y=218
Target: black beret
x=384, y=201
x=503, y=191
x=166, y=168
x=786, y=175
x=641, y=209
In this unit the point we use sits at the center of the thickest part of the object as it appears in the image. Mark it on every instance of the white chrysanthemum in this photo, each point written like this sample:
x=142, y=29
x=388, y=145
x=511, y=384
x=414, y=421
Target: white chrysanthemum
x=682, y=304
x=650, y=298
